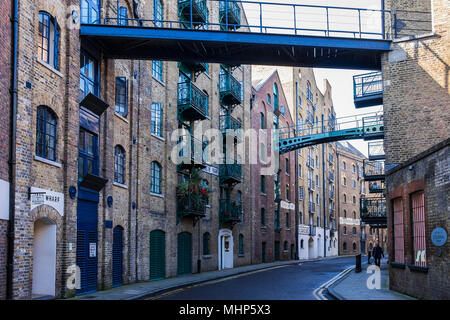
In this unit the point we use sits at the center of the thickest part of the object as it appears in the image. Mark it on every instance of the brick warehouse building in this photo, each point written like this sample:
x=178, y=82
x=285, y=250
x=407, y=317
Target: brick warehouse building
x=5, y=103
x=273, y=197
x=316, y=196
x=416, y=109
x=96, y=182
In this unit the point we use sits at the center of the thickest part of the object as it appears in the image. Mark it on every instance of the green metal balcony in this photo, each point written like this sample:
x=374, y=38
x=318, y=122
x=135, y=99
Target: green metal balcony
x=376, y=187
x=192, y=102
x=230, y=15
x=373, y=211
x=230, y=125
x=190, y=153
x=230, y=89
x=230, y=211
x=194, y=67
x=368, y=89
x=373, y=170
x=230, y=173
x=191, y=204
x=195, y=11
x=376, y=150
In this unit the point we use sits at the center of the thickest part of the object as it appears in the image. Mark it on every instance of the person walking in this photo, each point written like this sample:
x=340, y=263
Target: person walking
x=378, y=252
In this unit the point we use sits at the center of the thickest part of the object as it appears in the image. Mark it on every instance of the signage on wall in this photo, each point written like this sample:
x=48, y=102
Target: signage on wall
x=303, y=229
x=39, y=197
x=92, y=249
x=287, y=205
x=211, y=170
x=439, y=237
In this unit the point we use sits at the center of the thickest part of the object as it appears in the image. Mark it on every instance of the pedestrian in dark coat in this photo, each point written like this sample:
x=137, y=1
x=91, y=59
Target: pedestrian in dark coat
x=378, y=253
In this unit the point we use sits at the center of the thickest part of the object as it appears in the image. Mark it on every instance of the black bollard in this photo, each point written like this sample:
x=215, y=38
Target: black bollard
x=358, y=263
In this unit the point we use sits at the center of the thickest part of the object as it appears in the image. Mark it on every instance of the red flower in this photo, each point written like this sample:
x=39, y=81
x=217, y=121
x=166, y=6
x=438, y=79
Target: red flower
x=203, y=191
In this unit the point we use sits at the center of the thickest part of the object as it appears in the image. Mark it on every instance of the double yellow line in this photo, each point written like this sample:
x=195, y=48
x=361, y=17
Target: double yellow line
x=318, y=293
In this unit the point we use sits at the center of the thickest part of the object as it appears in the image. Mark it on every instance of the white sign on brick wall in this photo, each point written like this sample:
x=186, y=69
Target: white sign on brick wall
x=4, y=200
x=53, y=199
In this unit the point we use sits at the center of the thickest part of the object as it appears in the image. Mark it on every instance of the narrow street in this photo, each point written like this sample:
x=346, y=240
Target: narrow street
x=293, y=282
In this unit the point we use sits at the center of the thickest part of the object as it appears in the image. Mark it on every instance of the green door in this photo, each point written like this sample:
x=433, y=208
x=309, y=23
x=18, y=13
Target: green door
x=184, y=253
x=157, y=255
x=277, y=250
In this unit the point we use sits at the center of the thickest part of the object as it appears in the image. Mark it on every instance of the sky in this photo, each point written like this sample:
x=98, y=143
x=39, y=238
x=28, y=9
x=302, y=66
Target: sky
x=340, y=80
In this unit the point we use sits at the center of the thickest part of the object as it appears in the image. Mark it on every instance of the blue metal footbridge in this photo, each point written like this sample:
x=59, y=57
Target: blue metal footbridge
x=249, y=32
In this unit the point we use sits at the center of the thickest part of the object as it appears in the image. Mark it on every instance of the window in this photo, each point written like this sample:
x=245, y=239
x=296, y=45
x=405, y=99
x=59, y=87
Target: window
x=301, y=193
x=48, y=43
x=418, y=238
x=353, y=184
x=275, y=96
x=317, y=199
x=288, y=192
x=287, y=221
x=354, y=246
x=46, y=133
x=155, y=178
x=276, y=220
x=399, y=244
x=119, y=165
x=317, y=161
x=354, y=215
x=157, y=70
x=344, y=246
x=354, y=230
x=353, y=168
x=309, y=94
x=241, y=244
x=263, y=120
x=345, y=213
x=345, y=198
x=122, y=96
x=90, y=11
x=285, y=246
x=345, y=230
x=88, y=76
x=300, y=173
x=157, y=119
x=263, y=217
x=344, y=181
x=123, y=16
x=269, y=99
x=263, y=184
x=354, y=200
x=344, y=165
x=206, y=239
x=87, y=154
x=158, y=13
x=287, y=165
x=317, y=180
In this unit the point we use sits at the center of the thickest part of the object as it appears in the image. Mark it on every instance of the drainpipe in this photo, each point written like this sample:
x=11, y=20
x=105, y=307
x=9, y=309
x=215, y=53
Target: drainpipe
x=296, y=221
x=12, y=154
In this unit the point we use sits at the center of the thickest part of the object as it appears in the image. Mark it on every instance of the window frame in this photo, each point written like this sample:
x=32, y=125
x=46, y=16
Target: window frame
x=156, y=119
x=155, y=181
x=121, y=97
x=119, y=164
x=417, y=211
x=46, y=132
x=158, y=13
x=50, y=37
x=157, y=70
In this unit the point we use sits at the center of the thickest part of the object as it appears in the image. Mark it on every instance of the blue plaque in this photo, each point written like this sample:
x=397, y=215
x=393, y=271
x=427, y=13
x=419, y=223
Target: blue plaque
x=439, y=237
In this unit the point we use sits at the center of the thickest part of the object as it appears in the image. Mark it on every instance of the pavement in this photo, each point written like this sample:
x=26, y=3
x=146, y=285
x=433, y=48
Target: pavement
x=152, y=288
x=355, y=286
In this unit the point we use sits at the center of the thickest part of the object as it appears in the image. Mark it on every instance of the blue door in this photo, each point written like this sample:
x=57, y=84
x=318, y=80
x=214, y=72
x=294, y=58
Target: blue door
x=117, y=256
x=87, y=245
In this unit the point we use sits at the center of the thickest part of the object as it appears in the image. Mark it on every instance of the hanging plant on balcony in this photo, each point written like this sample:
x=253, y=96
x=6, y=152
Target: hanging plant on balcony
x=191, y=194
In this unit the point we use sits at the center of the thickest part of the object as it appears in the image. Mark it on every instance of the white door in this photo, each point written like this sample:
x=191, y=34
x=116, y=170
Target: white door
x=225, y=249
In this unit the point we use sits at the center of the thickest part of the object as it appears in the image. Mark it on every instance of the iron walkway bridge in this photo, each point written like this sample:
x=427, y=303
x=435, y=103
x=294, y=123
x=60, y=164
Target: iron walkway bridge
x=367, y=126
x=280, y=34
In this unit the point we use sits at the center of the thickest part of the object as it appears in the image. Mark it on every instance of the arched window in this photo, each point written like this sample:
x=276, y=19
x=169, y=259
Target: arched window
x=354, y=215
x=309, y=94
x=269, y=98
x=46, y=133
x=288, y=193
x=275, y=96
x=353, y=168
x=354, y=230
x=241, y=244
x=263, y=217
x=155, y=178
x=263, y=120
x=345, y=198
x=345, y=213
x=354, y=199
x=344, y=246
x=344, y=165
x=119, y=165
x=206, y=239
x=344, y=181
x=345, y=230
x=354, y=246
x=48, y=43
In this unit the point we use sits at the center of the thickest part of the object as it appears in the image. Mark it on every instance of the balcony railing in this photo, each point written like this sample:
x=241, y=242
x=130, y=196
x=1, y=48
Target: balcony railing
x=198, y=12
x=330, y=158
x=227, y=122
x=375, y=187
x=230, y=89
x=230, y=14
x=331, y=195
x=311, y=207
x=191, y=203
x=194, y=67
x=312, y=230
x=192, y=102
x=230, y=173
x=310, y=162
x=310, y=117
x=331, y=176
x=376, y=150
x=373, y=170
x=368, y=89
x=230, y=211
x=190, y=152
x=373, y=211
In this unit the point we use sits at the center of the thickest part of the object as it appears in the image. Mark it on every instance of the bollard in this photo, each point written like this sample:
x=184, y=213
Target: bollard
x=358, y=263
x=369, y=256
